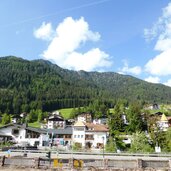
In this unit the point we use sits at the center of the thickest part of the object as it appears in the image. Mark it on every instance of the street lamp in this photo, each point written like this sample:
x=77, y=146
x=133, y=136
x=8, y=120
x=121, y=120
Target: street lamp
x=103, y=146
x=103, y=150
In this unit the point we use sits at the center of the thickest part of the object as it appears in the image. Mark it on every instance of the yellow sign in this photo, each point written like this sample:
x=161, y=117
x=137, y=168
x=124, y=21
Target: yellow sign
x=57, y=163
x=78, y=163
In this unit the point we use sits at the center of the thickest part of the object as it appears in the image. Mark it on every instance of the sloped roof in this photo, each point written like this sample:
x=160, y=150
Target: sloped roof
x=96, y=127
x=2, y=134
x=164, y=118
x=60, y=131
x=12, y=124
x=56, y=118
x=79, y=123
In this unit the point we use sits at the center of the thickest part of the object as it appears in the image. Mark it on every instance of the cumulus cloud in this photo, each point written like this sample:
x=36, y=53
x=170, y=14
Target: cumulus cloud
x=168, y=83
x=45, y=32
x=132, y=70
x=161, y=30
x=94, y=58
x=160, y=65
x=153, y=79
x=64, y=48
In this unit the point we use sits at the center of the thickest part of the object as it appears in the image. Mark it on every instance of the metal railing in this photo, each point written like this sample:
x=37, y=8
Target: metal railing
x=95, y=153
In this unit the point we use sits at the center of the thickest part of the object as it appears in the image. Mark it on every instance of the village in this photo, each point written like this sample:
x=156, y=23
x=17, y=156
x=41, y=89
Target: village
x=81, y=133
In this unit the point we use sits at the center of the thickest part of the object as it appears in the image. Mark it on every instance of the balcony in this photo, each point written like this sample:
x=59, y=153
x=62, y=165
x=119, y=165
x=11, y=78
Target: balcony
x=89, y=138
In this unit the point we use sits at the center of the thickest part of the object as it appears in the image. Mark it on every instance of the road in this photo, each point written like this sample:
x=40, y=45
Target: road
x=34, y=154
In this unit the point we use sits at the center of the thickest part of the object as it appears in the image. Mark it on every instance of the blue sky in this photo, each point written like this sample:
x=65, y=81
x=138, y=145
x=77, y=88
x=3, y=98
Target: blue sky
x=126, y=36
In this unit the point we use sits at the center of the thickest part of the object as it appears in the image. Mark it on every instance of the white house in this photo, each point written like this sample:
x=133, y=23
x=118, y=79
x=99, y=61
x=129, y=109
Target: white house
x=22, y=134
x=100, y=120
x=84, y=117
x=90, y=135
x=55, y=121
x=163, y=123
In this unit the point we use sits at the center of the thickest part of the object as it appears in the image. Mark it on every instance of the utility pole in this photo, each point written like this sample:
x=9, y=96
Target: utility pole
x=103, y=153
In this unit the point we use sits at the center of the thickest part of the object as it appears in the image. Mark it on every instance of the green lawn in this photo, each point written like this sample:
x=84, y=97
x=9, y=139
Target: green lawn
x=66, y=112
x=34, y=124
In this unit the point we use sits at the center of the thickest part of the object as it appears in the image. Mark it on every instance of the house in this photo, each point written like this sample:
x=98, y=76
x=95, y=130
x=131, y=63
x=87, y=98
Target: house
x=90, y=135
x=102, y=120
x=163, y=123
x=5, y=138
x=60, y=136
x=16, y=119
x=23, y=115
x=22, y=134
x=155, y=106
x=84, y=117
x=55, y=121
x=124, y=118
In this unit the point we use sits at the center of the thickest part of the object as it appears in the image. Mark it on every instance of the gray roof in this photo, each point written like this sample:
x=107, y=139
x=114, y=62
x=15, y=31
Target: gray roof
x=38, y=130
x=13, y=124
x=67, y=131
x=2, y=134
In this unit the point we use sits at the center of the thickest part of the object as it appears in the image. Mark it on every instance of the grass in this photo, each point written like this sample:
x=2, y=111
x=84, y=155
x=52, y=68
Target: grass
x=66, y=112
x=34, y=124
x=111, y=110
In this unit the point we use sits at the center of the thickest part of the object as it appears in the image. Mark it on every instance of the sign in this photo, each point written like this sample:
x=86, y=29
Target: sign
x=78, y=163
x=157, y=149
x=57, y=163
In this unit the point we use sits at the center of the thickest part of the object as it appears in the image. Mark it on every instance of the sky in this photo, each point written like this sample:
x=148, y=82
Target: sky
x=129, y=37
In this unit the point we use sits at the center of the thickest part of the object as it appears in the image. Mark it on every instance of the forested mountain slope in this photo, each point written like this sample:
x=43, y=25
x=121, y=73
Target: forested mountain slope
x=26, y=85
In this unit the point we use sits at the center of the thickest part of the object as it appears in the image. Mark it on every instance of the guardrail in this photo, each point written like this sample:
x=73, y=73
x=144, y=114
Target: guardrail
x=95, y=153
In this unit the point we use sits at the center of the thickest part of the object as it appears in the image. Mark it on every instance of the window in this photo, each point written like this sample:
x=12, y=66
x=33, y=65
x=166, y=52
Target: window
x=81, y=136
x=78, y=136
x=15, y=131
x=75, y=136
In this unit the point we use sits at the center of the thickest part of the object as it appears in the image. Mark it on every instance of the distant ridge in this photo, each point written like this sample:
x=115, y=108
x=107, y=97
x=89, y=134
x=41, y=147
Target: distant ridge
x=26, y=85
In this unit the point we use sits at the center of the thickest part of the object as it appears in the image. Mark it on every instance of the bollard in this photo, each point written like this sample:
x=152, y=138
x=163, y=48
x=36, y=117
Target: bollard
x=139, y=163
x=37, y=163
x=170, y=165
x=2, y=160
x=106, y=164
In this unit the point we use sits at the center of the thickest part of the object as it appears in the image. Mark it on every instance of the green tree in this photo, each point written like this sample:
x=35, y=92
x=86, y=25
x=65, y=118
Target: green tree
x=168, y=140
x=115, y=122
x=5, y=119
x=40, y=115
x=134, y=118
x=140, y=143
x=111, y=145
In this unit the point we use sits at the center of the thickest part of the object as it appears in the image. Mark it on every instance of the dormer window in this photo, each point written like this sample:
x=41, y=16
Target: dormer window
x=15, y=131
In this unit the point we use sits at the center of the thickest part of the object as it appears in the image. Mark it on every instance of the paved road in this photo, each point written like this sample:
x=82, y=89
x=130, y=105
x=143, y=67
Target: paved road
x=84, y=156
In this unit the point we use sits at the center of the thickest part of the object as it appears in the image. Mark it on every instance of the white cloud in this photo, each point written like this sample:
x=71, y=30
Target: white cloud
x=160, y=28
x=44, y=32
x=94, y=58
x=133, y=70
x=153, y=79
x=168, y=83
x=69, y=37
x=160, y=64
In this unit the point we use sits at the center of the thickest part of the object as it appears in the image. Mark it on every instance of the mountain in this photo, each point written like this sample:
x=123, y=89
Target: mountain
x=26, y=85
